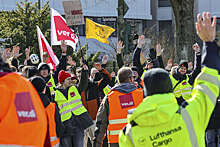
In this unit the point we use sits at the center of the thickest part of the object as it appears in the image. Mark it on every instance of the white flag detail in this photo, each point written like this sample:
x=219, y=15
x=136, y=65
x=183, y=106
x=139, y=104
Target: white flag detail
x=60, y=31
x=45, y=48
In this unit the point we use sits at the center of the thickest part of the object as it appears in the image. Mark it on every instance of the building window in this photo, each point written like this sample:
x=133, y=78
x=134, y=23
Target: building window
x=164, y=3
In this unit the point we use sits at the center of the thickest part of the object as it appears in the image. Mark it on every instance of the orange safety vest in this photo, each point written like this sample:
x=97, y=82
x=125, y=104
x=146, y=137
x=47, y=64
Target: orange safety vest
x=119, y=104
x=142, y=83
x=23, y=120
x=54, y=140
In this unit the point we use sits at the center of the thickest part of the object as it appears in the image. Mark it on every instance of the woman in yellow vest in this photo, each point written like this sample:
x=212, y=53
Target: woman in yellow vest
x=159, y=120
x=182, y=81
x=73, y=114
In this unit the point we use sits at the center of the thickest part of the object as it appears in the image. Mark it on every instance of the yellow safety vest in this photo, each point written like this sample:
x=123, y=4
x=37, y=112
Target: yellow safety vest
x=183, y=88
x=51, y=84
x=156, y=121
x=71, y=105
x=107, y=89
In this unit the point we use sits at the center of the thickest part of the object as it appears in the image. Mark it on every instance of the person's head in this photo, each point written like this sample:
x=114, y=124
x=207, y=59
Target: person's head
x=125, y=75
x=32, y=71
x=134, y=69
x=34, y=59
x=157, y=81
x=64, y=79
x=39, y=84
x=183, y=67
x=15, y=62
x=149, y=64
x=93, y=72
x=44, y=69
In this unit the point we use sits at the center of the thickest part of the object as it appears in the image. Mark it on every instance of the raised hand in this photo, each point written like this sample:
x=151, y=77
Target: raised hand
x=141, y=41
x=27, y=53
x=120, y=46
x=85, y=67
x=7, y=53
x=196, y=48
x=104, y=59
x=206, y=29
x=16, y=50
x=159, y=50
x=70, y=61
x=63, y=46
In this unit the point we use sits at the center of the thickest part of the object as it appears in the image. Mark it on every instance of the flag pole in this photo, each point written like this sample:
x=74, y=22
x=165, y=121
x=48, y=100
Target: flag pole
x=81, y=52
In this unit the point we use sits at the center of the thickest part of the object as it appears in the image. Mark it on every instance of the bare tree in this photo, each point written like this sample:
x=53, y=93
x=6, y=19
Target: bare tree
x=184, y=28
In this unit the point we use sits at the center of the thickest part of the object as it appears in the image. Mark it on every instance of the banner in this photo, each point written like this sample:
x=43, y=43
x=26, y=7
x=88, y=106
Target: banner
x=73, y=12
x=98, y=31
x=45, y=49
x=60, y=31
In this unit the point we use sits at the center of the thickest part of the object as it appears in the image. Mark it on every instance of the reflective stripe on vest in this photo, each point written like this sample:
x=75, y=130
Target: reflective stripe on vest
x=107, y=89
x=51, y=84
x=115, y=132
x=67, y=111
x=118, y=121
x=142, y=76
x=71, y=105
x=120, y=102
x=207, y=91
x=182, y=90
x=66, y=104
x=189, y=125
x=53, y=138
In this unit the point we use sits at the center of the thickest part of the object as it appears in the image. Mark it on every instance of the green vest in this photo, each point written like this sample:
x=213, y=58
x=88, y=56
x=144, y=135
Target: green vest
x=142, y=76
x=158, y=123
x=72, y=105
x=183, y=88
x=51, y=84
x=107, y=89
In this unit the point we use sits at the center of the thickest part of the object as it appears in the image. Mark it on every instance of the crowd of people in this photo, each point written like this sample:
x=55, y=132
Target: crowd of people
x=145, y=104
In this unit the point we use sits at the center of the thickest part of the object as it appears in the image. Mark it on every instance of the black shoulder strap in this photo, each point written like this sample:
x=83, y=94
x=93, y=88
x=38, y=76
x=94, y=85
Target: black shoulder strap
x=177, y=84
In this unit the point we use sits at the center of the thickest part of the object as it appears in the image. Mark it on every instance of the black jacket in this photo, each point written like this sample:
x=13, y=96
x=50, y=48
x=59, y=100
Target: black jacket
x=137, y=63
x=193, y=74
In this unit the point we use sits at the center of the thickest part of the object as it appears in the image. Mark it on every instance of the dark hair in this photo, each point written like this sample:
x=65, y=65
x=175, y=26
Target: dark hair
x=4, y=66
x=124, y=74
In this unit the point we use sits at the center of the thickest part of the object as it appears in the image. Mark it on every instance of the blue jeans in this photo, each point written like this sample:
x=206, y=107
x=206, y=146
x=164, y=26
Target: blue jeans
x=77, y=140
x=211, y=136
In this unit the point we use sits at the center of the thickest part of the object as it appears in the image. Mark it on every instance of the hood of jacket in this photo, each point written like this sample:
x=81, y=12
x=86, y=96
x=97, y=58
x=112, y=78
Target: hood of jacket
x=124, y=87
x=155, y=110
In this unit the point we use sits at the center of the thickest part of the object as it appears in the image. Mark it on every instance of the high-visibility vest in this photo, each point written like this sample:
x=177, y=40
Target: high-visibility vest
x=51, y=84
x=71, y=105
x=23, y=120
x=119, y=104
x=185, y=127
x=183, y=88
x=142, y=76
x=54, y=140
x=107, y=89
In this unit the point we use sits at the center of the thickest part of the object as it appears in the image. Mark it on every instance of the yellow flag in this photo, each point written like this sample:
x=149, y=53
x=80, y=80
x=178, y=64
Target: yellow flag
x=98, y=31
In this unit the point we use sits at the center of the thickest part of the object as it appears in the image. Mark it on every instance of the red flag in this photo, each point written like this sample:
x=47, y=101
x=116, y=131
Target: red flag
x=60, y=31
x=45, y=48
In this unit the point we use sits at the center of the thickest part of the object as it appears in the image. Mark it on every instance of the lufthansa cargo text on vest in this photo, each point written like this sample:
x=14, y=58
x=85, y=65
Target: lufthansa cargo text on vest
x=163, y=135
